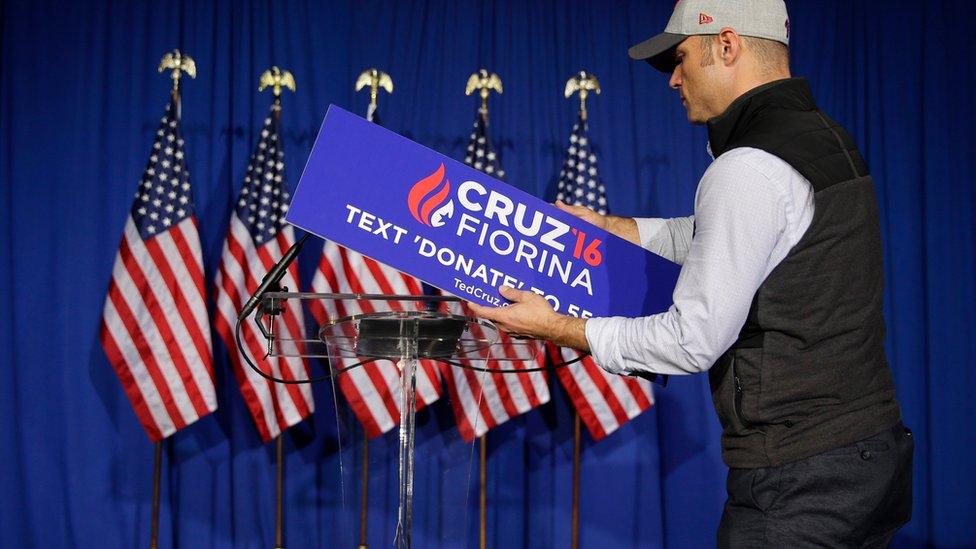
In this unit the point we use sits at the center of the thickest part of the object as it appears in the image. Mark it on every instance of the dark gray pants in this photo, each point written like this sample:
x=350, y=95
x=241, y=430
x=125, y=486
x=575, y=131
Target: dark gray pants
x=854, y=496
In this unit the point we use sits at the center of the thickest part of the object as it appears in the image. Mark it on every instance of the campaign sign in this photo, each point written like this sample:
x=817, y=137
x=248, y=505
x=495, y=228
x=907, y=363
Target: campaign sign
x=403, y=204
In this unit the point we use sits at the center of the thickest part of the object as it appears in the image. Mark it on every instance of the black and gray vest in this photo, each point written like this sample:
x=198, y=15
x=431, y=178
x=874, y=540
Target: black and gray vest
x=808, y=372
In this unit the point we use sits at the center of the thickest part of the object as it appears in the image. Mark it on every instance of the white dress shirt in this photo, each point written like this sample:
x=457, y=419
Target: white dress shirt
x=751, y=208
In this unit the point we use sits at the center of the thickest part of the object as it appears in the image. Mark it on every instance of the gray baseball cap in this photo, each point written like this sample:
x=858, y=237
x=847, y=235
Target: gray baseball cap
x=757, y=18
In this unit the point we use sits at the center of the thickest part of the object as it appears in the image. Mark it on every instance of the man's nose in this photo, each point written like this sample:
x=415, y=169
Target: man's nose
x=675, y=81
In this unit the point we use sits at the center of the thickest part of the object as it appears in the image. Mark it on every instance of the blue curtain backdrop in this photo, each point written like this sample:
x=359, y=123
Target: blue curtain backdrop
x=80, y=98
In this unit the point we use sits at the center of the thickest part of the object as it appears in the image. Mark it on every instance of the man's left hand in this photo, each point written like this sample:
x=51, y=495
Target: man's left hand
x=530, y=315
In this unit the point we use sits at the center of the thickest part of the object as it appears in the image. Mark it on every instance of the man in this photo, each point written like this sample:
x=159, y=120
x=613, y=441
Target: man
x=779, y=296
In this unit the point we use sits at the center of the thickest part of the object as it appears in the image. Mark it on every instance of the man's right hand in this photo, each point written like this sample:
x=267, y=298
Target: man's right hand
x=624, y=227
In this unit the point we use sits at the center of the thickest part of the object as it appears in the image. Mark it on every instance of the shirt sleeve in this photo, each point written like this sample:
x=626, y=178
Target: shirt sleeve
x=740, y=216
x=668, y=238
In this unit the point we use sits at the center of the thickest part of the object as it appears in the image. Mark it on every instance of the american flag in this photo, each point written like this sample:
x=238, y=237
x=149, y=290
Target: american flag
x=256, y=238
x=483, y=400
x=372, y=390
x=154, y=328
x=604, y=401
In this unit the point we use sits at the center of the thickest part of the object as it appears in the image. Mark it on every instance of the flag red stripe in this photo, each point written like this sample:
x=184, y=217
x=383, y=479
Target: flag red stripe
x=147, y=293
x=501, y=386
x=121, y=368
x=432, y=372
x=176, y=352
x=380, y=278
x=478, y=391
x=325, y=266
x=349, y=390
x=371, y=369
x=504, y=395
x=605, y=412
x=247, y=391
x=635, y=390
x=346, y=384
x=606, y=391
x=627, y=391
x=526, y=381
x=317, y=308
x=235, y=263
x=291, y=323
x=359, y=406
x=583, y=406
x=225, y=328
x=492, y=399
x=371, y=391
x=142, y=347
x=464, y=426
x=190, y=260
x=200, y=339
x=162, y=323
x=255, y=347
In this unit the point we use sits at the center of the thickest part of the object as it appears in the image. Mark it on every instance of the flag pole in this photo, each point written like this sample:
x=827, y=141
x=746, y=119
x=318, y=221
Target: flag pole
x=177, y=63
x=157, y=473
x=279, y=491
x=483, y=496
x=574, y=537
x=484, y=82
x=374, y=79
x=364, y=493
x=583, y=83
x=275, y=78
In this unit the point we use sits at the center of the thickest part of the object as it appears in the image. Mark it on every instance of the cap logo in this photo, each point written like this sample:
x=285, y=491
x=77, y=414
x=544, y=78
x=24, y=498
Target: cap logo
x=787, y=29
x=704, y=19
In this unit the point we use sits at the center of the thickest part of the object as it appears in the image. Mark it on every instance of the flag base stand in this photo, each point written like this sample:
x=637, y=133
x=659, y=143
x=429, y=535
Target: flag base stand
x=363, y=328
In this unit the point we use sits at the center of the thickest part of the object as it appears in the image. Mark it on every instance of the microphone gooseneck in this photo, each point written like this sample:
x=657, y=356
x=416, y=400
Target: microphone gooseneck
x=273, y=277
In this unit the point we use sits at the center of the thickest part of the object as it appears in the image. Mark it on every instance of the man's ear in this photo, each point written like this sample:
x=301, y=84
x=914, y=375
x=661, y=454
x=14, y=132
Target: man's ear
x=729, y=45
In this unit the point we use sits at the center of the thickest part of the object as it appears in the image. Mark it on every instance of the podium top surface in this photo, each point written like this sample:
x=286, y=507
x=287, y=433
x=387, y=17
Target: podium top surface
x=350, y=327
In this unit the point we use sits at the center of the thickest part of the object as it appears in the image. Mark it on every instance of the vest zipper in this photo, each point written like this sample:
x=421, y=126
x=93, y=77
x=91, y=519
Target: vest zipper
x=737, y=404
x=737, y=397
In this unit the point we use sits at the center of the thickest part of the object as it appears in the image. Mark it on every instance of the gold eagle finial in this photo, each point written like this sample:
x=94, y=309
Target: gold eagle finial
x=375, y=79
x=276, y=79
x=583, y=83
x=485, y=82
x=179, y=63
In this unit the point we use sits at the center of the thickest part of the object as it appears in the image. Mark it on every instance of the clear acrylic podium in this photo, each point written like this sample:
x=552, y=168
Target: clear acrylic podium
x=351, y=330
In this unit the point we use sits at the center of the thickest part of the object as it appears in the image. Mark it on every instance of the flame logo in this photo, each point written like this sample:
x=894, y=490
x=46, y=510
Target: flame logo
x=427, y=197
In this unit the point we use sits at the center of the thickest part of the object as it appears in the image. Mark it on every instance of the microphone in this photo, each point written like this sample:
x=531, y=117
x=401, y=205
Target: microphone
x=271, y=280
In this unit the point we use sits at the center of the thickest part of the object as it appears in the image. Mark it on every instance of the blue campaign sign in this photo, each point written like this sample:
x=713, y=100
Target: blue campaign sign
x=403, y=204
